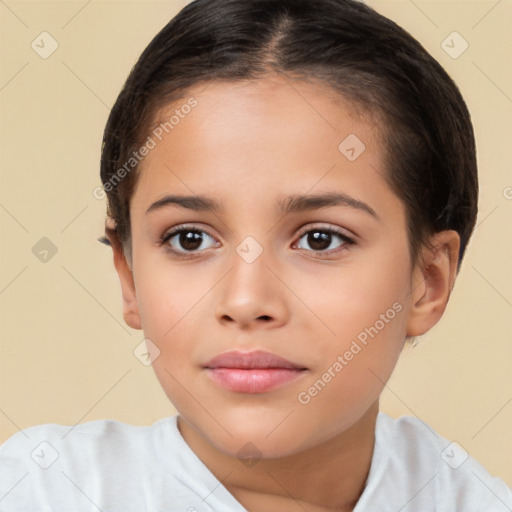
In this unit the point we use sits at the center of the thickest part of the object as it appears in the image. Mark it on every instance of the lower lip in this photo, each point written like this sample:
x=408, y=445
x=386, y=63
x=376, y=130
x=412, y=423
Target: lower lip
x=257, y=380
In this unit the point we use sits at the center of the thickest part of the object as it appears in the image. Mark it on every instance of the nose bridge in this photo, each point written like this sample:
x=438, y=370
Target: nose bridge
x=250, y=276
x=251, y=291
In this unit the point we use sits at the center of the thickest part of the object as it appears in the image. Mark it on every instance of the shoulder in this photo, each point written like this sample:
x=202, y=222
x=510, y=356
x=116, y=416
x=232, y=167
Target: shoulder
x=55, y=441
x=46, y=461
x=414, y=464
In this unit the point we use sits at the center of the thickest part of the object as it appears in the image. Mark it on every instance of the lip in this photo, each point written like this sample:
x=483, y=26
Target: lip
x=252, y=372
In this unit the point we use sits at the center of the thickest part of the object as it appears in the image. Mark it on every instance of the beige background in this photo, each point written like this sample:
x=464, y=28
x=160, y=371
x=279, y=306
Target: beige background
x=66, y=355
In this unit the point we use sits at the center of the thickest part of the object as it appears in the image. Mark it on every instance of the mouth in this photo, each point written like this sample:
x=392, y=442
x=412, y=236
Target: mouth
x=252, y=372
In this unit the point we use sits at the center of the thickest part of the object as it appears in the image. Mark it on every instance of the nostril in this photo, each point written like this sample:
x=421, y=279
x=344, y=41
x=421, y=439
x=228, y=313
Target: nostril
x=264, y=317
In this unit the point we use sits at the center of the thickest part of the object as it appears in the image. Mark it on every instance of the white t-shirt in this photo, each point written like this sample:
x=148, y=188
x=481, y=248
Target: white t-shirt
x=110, y=466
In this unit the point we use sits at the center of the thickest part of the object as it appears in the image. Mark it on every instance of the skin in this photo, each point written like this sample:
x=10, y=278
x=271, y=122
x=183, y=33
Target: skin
x=247, y=145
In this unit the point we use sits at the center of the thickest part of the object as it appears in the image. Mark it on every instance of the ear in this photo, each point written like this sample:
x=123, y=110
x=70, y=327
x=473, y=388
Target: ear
x=123, y=267
x=433, y=281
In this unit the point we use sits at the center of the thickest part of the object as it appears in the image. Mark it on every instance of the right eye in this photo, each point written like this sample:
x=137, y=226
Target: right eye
x=185, y=241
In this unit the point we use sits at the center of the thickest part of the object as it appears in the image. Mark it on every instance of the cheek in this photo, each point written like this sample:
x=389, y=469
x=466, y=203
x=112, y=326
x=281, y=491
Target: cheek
x=347, y=302
x=363, y=312
x=169, y=301
x=355, y=363
x=169, y=296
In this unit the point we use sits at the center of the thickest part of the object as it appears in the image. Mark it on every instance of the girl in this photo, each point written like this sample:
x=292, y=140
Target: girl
x=291, y=188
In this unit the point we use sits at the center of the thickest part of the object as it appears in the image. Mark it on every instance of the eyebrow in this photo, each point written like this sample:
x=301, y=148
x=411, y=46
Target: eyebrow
x=290, y=204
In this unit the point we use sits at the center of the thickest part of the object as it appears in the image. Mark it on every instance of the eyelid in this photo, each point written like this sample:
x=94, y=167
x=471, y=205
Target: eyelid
x=345, y=233
x=184, y=227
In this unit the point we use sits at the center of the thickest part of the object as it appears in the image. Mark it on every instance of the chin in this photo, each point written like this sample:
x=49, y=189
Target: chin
x=260, y=434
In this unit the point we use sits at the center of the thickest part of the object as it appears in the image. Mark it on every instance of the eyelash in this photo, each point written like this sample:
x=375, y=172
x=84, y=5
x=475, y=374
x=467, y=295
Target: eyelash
x=166, y=237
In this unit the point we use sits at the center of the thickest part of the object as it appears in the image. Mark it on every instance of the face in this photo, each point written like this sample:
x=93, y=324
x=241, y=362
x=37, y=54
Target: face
x=278, y=293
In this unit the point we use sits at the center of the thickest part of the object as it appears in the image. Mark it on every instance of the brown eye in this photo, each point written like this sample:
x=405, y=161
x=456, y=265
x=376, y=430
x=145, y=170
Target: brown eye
x=318, y=240
x=185, y=240
x=190, y=240
x=323, y=240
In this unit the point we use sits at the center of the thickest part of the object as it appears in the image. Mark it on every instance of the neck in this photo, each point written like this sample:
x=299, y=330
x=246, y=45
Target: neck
x=327, y=477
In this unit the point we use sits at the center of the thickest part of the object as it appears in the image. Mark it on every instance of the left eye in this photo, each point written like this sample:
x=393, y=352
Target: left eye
x=321, y=239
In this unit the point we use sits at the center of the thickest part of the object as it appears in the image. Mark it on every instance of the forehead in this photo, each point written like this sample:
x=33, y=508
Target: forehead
x=258, y=139
x=300, y=110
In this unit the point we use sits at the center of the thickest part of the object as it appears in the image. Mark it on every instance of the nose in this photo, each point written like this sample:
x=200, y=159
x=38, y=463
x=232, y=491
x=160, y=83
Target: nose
x=252, y=296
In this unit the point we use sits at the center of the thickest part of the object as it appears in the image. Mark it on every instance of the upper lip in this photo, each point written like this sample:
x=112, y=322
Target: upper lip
x=251, y=360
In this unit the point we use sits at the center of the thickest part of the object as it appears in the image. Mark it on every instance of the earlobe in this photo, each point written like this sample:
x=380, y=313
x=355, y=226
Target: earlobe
x=433, y=282
x=130, y=307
